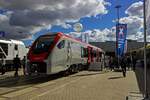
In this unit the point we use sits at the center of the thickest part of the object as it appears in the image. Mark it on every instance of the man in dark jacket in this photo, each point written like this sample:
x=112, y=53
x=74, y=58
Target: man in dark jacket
x=17, y=64
x=24, y=64
x=123, y=65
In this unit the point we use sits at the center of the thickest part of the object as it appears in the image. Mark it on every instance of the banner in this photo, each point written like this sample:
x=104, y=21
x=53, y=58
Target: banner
x=121, y=32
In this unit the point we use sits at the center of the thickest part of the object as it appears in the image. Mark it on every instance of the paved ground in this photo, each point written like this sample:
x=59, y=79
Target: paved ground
x=10, y=74
x=139, y=72
x=81, y=86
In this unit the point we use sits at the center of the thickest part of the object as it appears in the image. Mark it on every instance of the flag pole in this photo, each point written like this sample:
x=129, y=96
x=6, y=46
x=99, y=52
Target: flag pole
x=145, y=59
x=117, y=7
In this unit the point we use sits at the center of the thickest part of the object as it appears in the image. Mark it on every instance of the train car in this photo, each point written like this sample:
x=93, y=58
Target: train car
x=56, y=52
x=9, y=49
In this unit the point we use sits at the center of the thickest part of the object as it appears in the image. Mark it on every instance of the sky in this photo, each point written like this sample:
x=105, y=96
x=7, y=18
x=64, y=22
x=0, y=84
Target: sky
x=28, y=19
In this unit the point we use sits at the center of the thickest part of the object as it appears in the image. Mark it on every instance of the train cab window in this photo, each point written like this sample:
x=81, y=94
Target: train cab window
x=16, y=47
x=43, y=44
x=61, y=44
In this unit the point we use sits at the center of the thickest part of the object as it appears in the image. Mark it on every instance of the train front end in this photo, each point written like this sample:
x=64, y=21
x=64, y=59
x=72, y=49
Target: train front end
x=40, y=52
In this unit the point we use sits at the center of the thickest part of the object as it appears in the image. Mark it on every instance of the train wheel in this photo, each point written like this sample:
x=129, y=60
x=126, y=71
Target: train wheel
x=66, y=73
x=71, y=69
x=76, y=68
x=80, y=67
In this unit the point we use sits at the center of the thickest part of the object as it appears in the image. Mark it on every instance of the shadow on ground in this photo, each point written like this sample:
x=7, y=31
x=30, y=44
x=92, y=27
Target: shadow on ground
x=139, y=72
x=31, y=80
x=115, y=77
x=89, y=74
x=37, y=79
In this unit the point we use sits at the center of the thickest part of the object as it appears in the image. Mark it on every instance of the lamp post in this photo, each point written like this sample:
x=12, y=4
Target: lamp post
x=118, y=7
x=145, y=59
x=117, y=23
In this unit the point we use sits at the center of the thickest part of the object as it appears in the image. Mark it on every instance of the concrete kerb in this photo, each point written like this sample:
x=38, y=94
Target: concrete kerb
x=135, y=96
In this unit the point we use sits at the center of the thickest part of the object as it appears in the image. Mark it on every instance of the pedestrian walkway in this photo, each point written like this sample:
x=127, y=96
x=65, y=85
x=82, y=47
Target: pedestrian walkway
x=139, y=72
x=83, y=86
x=108, y=86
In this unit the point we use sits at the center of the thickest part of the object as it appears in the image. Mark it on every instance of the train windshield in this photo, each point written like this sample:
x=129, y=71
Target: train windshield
x=43, y=44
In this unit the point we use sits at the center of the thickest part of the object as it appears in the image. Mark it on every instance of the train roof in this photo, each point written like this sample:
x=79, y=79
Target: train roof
x=17, y=42
x=5, y=41
x=78, y=40
x=72, y=38
x=12, y=41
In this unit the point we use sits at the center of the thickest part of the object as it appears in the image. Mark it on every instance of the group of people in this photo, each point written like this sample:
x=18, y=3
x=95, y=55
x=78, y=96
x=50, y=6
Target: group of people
x=123, y=62
x=17, y=63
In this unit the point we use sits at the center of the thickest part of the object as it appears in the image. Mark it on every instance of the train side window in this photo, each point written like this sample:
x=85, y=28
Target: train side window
x=16, y=47
x=61, y=44
x=85, y=52
x=82, y=52
x=93, y=53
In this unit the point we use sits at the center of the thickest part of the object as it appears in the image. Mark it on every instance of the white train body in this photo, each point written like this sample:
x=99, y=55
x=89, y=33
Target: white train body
x=63, y=53
x=61, y=59
x=10, y=48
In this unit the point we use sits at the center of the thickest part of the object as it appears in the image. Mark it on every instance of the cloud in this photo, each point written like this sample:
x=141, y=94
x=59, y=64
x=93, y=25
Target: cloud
x=98, y=35
x=134, y=21
x=136, y=9
x=31, y=14
x=15, y=32
x=134, y=24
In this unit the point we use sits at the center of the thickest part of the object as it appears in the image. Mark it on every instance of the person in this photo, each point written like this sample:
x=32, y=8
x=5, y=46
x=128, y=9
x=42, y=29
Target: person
x=24, y=64
x=123, y=66
x=128, y=62
x=134, y=62
x=17, y=64
x=111, y=63
x=3, y=65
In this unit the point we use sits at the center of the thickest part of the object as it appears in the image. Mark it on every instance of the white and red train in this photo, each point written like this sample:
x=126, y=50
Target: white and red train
x=56, y=52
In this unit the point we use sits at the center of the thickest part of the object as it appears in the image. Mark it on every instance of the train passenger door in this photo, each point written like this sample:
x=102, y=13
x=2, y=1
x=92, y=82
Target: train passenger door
x=89, y=54
x=68, y=52
x=59, y=56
